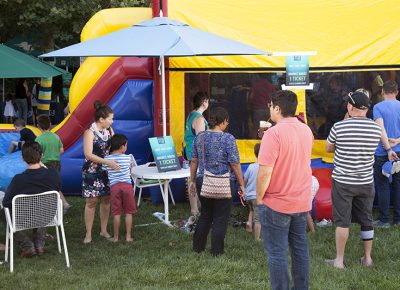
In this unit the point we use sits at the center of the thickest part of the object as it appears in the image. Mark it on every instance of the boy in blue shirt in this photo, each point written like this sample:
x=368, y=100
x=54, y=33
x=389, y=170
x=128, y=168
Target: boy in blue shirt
x=250, y=180
x=122, y=196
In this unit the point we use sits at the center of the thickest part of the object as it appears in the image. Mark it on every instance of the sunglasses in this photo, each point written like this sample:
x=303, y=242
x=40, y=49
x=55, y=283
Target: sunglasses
x=351, y=98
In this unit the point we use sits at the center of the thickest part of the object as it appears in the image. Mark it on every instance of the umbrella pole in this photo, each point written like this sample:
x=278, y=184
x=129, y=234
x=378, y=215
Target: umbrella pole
x=164, y=113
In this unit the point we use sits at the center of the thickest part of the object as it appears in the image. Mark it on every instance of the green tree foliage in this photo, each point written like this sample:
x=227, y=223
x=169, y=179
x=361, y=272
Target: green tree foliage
x=57, y=21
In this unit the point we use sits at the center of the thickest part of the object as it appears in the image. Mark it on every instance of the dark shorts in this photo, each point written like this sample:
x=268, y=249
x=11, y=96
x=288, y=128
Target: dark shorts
x=122, y=199
x=56, y=165
x=352, y=203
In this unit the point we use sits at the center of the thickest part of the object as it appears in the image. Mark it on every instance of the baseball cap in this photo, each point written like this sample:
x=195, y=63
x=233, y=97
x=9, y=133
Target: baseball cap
x=358, y=100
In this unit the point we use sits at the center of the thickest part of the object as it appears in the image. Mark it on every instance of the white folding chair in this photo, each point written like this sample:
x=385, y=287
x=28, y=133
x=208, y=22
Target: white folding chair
x=35, y=211
x=142, y=183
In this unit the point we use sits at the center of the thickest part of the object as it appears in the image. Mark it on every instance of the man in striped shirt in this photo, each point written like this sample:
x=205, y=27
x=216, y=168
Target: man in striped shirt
x=353, y=141
x=121, y=197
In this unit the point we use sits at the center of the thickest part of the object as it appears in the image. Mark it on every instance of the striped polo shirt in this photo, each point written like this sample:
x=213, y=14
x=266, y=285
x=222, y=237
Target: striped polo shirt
x=355, y=141
x=122, y=175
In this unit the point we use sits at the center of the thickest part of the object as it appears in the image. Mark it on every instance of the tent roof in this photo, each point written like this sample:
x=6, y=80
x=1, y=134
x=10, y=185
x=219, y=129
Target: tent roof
x=16, y=64
x=347, y=35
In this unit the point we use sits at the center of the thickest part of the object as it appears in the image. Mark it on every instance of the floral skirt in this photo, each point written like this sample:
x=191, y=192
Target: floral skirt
x=95, y=184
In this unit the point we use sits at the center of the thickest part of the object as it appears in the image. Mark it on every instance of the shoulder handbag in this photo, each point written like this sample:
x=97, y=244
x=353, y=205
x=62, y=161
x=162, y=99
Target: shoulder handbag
x=214, y=186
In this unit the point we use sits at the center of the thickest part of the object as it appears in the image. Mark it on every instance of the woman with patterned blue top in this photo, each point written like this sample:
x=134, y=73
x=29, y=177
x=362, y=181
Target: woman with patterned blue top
x=216, y=152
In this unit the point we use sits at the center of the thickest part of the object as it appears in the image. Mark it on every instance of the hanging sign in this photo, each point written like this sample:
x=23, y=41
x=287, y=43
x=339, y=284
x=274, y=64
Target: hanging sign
x=297, y=70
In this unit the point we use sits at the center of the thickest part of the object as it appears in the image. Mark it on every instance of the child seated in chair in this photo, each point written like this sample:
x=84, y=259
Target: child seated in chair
x=25, y=135
x=121, y=196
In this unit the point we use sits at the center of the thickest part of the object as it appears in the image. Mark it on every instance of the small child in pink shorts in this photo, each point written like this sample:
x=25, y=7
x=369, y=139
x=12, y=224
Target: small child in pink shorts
x=122, y=196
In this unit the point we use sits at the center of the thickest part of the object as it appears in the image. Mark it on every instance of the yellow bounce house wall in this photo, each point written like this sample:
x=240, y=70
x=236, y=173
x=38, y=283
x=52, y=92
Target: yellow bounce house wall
x=347, y=36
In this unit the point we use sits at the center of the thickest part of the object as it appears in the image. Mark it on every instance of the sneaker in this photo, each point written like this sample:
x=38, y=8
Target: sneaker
x=380, y=224
x=28, y=253
x=159, y=215
x=190, y=225
x=324, y=223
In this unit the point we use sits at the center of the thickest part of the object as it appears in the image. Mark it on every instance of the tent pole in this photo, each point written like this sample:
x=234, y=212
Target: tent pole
x=164, y=113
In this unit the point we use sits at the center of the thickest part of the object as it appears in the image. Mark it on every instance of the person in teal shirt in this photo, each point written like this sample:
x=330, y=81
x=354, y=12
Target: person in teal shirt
x=195, y=123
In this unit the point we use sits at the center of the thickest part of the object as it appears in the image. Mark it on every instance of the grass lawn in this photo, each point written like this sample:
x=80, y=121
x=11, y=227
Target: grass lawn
x=161, y=258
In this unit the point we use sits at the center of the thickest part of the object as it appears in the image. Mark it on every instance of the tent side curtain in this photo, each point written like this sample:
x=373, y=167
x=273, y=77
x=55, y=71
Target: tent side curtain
x=346, y=34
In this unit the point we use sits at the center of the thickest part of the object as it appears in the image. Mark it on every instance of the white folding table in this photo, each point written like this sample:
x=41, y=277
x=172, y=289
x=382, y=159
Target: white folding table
x=150, y=172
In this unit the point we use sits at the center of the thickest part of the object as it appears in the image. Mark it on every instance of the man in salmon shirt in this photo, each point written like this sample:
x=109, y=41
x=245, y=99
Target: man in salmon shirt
x=284, y=192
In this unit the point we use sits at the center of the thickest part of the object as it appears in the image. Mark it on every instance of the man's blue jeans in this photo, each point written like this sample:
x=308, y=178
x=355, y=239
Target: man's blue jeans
x=384, y=189
x=279, y=231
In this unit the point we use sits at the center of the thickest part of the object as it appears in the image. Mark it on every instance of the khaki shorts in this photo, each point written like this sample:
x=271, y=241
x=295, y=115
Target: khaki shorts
x=253, y=207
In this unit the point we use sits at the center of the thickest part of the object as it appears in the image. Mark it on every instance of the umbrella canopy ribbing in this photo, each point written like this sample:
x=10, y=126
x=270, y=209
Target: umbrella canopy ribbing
x=159, y=37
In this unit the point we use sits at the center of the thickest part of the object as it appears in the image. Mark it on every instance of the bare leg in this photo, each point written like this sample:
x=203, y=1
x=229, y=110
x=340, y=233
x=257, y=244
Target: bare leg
x=64, y=201
x=194, y=204
x=257, y=231
x=117, y=222
x=128, y=226
x=12, y=147
x=310, y=223
x=249, y=223
x=366, y=259
x=104, y=215
x=342, y=234
x=90, y=209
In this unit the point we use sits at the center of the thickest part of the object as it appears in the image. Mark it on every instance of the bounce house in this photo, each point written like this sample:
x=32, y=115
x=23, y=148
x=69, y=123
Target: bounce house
x=358, y=41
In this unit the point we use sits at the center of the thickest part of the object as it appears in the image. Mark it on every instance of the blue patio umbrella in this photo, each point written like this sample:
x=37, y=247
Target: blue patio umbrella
x=159, y=37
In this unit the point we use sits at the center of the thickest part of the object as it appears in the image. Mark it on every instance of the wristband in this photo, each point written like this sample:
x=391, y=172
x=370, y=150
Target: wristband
x=389, y=149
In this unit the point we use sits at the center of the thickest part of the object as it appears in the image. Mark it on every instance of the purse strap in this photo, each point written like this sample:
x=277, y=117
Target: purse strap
x=204, y=151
